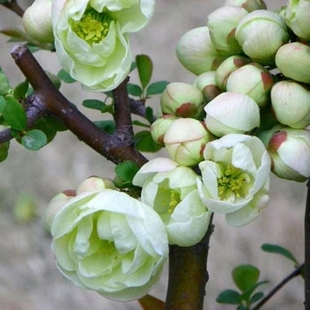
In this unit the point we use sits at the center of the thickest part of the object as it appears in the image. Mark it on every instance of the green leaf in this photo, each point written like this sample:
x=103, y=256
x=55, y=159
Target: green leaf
x=4, y=150
x=241, y=307
x=65, y=76
x=94, y=104
x=245, y=276
x=134, y=90
x=14, y=114
x=247, y=294
x=145, y=143
x=149, y=115
x=277, y=249
x=126, y=170
x=2, y=103
x=44, y=126
x=156, y=88
x=55, y=123
x=149, y=302
x=145, y=69
x=133, y=66
x=256, y=297
x=20, y=91
x=15, y=33
x=4, y=83
x=107, y=126
x=229, y=297
x=34, y=139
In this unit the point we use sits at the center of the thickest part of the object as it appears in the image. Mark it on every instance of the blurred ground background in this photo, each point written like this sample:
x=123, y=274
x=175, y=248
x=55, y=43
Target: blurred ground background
x=28, y=277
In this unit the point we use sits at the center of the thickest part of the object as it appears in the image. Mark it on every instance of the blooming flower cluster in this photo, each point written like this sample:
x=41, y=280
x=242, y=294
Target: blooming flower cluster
x=91, y=37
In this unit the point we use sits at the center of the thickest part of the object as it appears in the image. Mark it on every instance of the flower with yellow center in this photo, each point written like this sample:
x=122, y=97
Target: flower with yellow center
x=235, y=177
x=172, y=192
x=91, y=38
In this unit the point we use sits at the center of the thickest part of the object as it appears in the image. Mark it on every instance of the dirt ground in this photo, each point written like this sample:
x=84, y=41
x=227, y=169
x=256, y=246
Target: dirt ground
x=28, y=276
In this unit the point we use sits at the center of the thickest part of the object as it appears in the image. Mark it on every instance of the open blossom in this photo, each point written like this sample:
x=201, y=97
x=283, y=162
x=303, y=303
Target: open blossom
x=107, y=241
x=235, y=177
x=91, y=38
x=172, y=191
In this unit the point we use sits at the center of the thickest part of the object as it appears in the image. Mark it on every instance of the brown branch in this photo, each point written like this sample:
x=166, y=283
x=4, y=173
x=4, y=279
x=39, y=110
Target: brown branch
x=307, y=250
x=14, y=6
x=297, y=272
x=117, y=147
x=188, y=275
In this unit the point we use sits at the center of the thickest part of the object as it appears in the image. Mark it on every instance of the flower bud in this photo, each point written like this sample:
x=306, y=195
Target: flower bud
x=249, y=5
x=297, y=18
x=95, y=183
x=37, y=21
x=196, y=52
x=293, y=61
x=261, y=33
x=289, y=150
x=232, y=113
x=4, y=83
x=222, y=25
x=185, y=141
x=182, y=100
x=291, y=104
x=252, y=80
x=228, y=66
x=160, y=126
x=206, y=83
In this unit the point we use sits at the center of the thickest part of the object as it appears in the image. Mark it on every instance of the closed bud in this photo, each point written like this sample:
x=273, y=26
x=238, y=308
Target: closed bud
x=261, y=33
x=185, y=141
x=206, y=83
x=182, y=100
x=289, y=150
x=252, y=80
x=293, y=61
x=37, y=21
x=95, y=183
x=228, y=66
x=291, y=103
x=249, y=5
x=232, y=113
x=196, y=52
x=160, y=127
x=297, y=18
x=222, y=25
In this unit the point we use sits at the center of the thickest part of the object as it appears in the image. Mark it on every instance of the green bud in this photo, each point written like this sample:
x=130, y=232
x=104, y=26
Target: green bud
x=249, y=5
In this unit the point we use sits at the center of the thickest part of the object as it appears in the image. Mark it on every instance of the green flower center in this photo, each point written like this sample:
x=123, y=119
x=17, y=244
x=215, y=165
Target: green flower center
x=234, y=182
x=166, y=201
x=93, y=27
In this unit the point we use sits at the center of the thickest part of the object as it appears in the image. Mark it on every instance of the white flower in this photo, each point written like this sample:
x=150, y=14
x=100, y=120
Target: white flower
x=235, y=177
x=172, y=191
x=107, y=241
x=91, y=38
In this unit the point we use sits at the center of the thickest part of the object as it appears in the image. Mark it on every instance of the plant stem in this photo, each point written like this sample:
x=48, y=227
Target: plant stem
x=307, y=250
x=117, y=147
x=292, y=275
x=188, y=275
x=14, y=6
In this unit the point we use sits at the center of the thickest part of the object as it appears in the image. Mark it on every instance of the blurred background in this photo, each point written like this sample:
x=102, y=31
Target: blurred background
x=28, y=276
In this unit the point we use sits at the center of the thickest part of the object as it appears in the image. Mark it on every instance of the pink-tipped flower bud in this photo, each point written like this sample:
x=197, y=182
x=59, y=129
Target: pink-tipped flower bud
x=182, y=100
x=95, y=183
x=206, y=83
x=249, y=5
x=252, y=80
x=160, y=127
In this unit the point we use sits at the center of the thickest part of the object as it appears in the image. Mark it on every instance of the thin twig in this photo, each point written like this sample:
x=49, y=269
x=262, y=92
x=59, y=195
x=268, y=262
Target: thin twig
x=14, y=6
x=292, y=275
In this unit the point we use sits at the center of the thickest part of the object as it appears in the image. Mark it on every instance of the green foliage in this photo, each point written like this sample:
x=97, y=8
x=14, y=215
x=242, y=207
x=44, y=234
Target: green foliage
x=14, y=114
x=134, y=90
x=65, y=76
x=277, y=249
x=4, y=83
x=149, y=302
x=145, y=69
x=156, y=88
x=107, y=126
x=20, y=91
x=245, y=278
x=4, y=150
x=145, y=143
x=34, y=140
x=125, y=173
x=99, y=105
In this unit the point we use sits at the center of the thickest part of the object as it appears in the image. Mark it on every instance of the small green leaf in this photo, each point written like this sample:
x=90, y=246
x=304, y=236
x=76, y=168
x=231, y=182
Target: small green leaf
x=149, y=302
x=133, y=66
x=15, y=33
x=229, y=297
x=241, y=307
x=107, y=126
x=65, y=76
x=4, y=150
x=247, y=293
x=149, y=115
x=256, y=297
x=145, y=143
x=20, y=91
x=134, y=90
x=126, y=171
x=94, y=104
x=43, y=125
x=277, y=249
x=145, y=69
x=34, y=140
x=14, y=114
x=2, y=103
x=245, y=276
x=4, y=83
x=156, y=88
